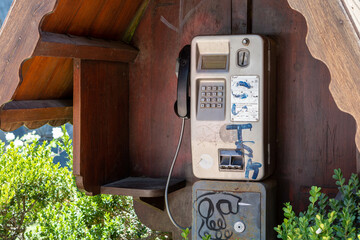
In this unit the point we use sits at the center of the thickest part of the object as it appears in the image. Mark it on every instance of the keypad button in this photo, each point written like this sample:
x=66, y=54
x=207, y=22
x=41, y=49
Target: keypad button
x=202, y=99
x=214, y=93
x=213, y=99
x=220, y=94
x=208, y=94
x=208, y=99
x=208, y=88
x=213, y=105
x=219, y=99
x=203, y=94
x=207, y=105
x=214, y=88
x=219, y=105
x=203, y=88
x=220, y=88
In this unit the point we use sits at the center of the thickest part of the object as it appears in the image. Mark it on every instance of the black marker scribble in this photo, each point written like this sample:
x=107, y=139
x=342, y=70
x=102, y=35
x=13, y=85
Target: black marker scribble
x=213, y=209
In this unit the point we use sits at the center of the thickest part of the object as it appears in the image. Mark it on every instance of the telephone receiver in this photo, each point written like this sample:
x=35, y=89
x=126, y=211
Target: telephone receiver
x=182, y=104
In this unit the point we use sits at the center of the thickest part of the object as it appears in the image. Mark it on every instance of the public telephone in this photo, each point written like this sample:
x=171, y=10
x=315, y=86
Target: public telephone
x=231, y=105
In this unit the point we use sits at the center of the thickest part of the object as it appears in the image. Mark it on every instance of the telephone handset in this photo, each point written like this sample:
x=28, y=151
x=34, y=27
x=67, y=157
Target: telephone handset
x=182, y=104
x=231, y=105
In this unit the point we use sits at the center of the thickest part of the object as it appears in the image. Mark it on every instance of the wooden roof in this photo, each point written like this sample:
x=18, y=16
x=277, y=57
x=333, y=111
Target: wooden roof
x=39, y=41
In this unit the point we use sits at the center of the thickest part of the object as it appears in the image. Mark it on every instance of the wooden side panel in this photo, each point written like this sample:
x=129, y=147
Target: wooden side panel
x=314, y=136
x=18, y=38
x=101, y=120
x=332, y=38
x=107, y=19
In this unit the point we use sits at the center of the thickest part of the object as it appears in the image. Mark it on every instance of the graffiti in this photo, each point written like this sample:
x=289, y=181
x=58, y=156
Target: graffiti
x=215, y=210
x=243, y=150
x=182, y=19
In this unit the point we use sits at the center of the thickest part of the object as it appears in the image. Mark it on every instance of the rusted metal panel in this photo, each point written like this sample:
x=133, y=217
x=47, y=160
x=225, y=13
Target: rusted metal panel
x=232, y=210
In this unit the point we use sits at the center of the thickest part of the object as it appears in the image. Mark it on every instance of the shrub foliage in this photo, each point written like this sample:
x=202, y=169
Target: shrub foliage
x=326, y=218
x=39, y=199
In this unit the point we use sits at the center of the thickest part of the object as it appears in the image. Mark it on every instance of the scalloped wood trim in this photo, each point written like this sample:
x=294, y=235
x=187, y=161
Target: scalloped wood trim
x=19, y=36
x=332, y=38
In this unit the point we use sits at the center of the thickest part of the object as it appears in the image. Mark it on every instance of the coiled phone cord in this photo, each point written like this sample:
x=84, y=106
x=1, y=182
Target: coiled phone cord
x=169, y=176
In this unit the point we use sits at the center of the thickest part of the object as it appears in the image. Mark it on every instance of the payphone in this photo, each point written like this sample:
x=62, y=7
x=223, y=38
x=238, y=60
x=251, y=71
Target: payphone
x=232, y=98
x=231, y=104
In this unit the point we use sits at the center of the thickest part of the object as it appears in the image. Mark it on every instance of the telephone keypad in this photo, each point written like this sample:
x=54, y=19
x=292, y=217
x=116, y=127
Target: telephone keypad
x=211, y=100
x=212, y=94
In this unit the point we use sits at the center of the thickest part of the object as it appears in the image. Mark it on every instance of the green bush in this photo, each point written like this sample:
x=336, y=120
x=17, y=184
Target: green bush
x=325, y=218
x=39, y=199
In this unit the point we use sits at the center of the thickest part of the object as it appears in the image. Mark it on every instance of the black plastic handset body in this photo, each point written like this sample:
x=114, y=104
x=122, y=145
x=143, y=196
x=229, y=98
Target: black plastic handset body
x=182, y=105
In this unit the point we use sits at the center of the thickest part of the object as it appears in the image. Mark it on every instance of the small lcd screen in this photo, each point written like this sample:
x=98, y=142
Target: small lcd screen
x=213, y=62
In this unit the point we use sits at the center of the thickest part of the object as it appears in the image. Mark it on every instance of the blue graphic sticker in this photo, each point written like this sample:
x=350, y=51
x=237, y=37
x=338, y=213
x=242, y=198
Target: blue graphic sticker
x=243, y=84
x=241, y=96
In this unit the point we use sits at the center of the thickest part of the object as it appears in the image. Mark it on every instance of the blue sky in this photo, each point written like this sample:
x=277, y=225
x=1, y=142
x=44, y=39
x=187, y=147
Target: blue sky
x=4, y=8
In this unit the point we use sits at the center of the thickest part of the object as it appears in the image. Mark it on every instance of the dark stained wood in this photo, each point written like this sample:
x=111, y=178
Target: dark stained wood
x=154, y=127
x=61, y=45
x=35, y=113
x=101, y=123
x=142, y=186
x=314, y=136
x=105, y=19
x=241, y=16
x=45, y=78
x=36, y=104
x=18, y=38
x=333, y=38
x=180, y=207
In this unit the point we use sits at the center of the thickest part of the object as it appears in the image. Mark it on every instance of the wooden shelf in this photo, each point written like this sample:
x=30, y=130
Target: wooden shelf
x=142, y=186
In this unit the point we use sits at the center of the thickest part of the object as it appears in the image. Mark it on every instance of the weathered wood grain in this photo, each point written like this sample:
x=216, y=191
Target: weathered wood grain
x=105, y=19
x=101, y=123
x=69, y=46
x=18, y=38
x=45, y=78
x=35, y=113
x=352, y=8
x=332, y=38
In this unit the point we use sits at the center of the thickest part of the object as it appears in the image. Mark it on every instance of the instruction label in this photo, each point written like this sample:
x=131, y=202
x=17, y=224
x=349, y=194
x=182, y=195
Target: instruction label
x=245, y=98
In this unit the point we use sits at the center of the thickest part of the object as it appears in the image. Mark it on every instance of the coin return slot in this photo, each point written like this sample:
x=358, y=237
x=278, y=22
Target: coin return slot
x=231, y=160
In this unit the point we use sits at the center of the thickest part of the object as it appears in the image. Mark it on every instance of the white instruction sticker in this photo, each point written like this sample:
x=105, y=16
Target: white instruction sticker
x=244, y=98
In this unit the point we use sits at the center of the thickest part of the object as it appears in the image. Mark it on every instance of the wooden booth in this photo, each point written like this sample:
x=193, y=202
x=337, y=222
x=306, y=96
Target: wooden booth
x=108, y=67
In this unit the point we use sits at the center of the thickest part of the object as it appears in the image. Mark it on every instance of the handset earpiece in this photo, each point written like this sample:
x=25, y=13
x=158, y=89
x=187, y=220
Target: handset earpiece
x=182, y=104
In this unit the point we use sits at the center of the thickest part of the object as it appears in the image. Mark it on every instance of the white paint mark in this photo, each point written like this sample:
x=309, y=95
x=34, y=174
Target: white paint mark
x=206, y=161
x=244, y=204
x=169, y=25
x=182, y=20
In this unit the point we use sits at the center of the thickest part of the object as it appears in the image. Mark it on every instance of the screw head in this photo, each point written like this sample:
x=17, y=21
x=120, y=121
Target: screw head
x=245, y=41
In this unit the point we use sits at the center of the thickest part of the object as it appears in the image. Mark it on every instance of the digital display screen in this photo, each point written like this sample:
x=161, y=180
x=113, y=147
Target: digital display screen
x=213, y=62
